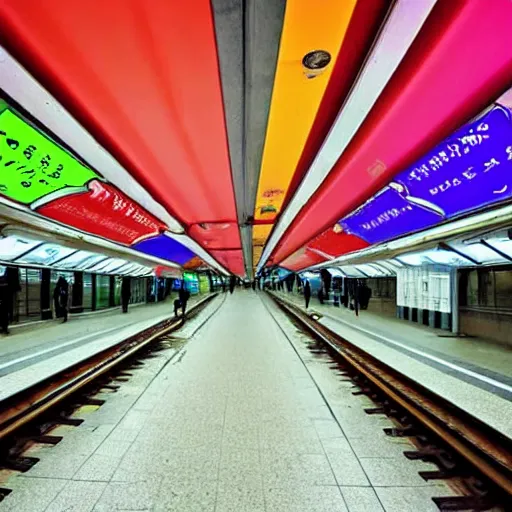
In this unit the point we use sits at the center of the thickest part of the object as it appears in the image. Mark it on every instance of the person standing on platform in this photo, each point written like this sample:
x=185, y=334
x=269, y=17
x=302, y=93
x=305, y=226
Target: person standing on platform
x=126, y=293
x=307, y=293
x=60, y=298
x=183, y=297
x=232, y=285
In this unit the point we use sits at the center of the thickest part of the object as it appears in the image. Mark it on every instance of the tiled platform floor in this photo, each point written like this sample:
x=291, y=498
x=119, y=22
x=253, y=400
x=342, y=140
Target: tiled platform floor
x=34, y=342
x=38, y=356
x=470, y=373
x=241, y=417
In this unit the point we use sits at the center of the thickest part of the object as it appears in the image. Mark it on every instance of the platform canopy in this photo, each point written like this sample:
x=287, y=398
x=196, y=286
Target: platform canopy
x=254, y=133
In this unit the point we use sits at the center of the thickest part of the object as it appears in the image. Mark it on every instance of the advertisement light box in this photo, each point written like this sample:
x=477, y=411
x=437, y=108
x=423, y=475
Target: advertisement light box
x=468, y=171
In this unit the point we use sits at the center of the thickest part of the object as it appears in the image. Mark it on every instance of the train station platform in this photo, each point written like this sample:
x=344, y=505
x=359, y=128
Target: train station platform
x=41, y=348
x=242, y=416
x=472, y=373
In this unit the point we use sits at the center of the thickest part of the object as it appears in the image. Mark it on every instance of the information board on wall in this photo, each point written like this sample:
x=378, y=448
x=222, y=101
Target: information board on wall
x=424, y=288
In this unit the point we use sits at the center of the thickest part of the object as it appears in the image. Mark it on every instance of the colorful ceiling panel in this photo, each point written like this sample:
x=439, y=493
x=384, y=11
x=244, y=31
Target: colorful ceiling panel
x=167, y=113
x=135, y=86
x=428, y=97
x=361, y=32
x=103, y=211
x=325, y=247
x=222, y=235
x=31, y=165
x=392, y=43
x=470, y=170
x=297, y=93
x=38, y=172
x=166, y=248
x=234, y=260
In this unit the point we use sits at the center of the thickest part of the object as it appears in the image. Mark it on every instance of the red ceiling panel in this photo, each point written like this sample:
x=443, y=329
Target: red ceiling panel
x=233, y=260
x=143, y=77
x=104, y=211
x=335, y=244
x=459, y=63
x=324, y=247
x=364, y=24
x=222, y=235
x=302, y=259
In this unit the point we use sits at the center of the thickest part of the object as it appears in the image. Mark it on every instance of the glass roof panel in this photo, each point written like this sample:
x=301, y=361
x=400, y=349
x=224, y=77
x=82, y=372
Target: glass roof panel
x=100, y=266
x=445, y=257
x=388, y=265
x=414, y=259
x=353, y=271
x=505, y=246
x=11, y=247
x=113, y=265
x=45, y=254
x=369, y=270
x=478, y=252
x=79, y=258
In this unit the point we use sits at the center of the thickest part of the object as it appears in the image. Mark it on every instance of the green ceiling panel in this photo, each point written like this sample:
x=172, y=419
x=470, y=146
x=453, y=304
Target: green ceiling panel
x=33, y=166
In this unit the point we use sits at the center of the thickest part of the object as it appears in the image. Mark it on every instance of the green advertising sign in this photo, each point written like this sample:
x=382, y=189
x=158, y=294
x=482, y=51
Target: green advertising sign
x=31, y=165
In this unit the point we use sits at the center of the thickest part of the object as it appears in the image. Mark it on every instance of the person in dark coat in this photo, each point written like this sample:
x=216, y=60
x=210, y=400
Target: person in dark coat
x=126, y=293
x=232, y=285
x=183, y=295
x=60, y=298
x=307, y=293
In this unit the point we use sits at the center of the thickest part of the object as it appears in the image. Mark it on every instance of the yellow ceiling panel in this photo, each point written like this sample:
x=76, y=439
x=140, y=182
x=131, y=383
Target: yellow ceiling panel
x=309, y=26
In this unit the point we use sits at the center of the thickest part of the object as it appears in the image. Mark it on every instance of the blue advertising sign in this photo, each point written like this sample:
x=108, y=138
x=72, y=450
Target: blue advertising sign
x=166, y=248
x=468, y=171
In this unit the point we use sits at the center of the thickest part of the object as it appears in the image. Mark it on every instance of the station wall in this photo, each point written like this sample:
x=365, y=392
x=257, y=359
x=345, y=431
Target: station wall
x=485, y=303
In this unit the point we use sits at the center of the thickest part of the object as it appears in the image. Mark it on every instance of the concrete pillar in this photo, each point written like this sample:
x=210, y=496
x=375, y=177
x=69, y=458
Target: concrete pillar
x=77, y=293
x=445, y=321
x=432, y=319
x=94, y=292
x=46, y=294
x=454, y=290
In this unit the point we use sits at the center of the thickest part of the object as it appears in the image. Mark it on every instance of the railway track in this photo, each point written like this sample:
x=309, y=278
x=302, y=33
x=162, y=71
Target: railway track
x=472, y=457
x=29, y=417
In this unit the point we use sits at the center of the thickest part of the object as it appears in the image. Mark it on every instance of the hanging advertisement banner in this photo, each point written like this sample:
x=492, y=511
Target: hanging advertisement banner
x=468, y=171
x=104, y=211
x=33, y=166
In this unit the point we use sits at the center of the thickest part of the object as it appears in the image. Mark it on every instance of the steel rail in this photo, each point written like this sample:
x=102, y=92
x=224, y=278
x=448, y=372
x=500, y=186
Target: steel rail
x=30, y=403
x=479, y=444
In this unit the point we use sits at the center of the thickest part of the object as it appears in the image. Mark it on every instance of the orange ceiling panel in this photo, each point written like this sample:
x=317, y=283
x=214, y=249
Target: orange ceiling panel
x=297, y=93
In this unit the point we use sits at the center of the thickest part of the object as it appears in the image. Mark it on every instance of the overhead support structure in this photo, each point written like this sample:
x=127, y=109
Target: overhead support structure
x=480, y=223
x=247, y=34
